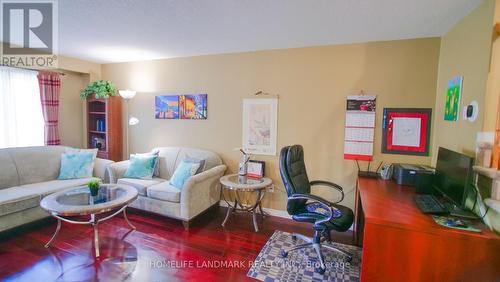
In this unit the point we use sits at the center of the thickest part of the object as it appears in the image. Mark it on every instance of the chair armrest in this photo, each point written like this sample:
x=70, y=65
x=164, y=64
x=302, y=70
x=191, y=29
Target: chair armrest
x=116, y=170
x=100, y=169
x=324, y=203
x=201, y=191
x=329, y=184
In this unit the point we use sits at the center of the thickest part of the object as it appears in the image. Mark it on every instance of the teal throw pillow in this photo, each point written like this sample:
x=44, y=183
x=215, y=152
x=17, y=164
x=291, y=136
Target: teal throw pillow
x=155, y=153
x=141, y=167
x=196, y=160
x=76, y=165
x=185, y=169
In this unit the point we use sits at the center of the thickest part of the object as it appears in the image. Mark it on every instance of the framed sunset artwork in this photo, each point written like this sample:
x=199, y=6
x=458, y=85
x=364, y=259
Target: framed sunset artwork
x=193, y=106
x=167, y=107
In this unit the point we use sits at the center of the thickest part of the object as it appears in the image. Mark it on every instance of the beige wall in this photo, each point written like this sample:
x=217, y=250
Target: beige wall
x=71, y=112
x=493, y=86
x=80, y=66
x=79, y=71
x=312, y=84
x=465, y=50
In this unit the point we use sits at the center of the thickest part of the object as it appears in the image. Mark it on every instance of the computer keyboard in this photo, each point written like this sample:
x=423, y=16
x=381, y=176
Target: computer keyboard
x=429, y=204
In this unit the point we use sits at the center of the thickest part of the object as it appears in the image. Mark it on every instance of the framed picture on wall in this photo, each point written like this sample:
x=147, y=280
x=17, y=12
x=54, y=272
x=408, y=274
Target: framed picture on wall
x=193, y=106
x=189, y=106
x=452, y=103
x=406, y=131
x=167, y=107
x=260, y=125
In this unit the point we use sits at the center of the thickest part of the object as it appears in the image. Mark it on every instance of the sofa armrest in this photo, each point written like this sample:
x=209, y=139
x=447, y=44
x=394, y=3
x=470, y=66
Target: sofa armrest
x=100, y=169
x=201, y=191
x=116, y=170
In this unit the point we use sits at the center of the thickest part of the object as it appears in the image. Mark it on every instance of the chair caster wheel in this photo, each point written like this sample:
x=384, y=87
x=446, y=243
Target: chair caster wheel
x=283, y=254
x=348, y=259
x=294, y=238
x=320, y=270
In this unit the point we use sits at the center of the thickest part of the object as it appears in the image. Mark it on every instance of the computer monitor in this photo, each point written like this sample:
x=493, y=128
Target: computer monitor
x=453, y=176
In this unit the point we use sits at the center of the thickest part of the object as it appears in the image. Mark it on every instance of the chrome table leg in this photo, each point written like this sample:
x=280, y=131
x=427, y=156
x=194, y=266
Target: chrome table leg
x=55, y=233
x=262, y=212
x=228, y=213
x=96, y=239
x=254, y=215
x=126, y=218
x=254, y=209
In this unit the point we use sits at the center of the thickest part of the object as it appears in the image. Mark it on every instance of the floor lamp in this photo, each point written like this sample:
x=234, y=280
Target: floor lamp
x=127, y=95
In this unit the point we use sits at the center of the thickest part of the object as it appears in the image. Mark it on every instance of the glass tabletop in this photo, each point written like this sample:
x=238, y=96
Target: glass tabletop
x=81, y=196
x=244, y=180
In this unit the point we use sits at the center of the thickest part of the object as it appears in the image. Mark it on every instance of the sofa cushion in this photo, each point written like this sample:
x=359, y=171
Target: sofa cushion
x=166, y=162
x=42, y=188
x=171, y=157
x=165, y=192
x=19, y=204
x=37, y=164
x=140, y=184
x=211, y=158
x=8, y=170
x=19, y=198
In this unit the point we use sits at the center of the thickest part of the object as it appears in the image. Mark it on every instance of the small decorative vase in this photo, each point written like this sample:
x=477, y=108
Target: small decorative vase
x=94, y=192
x=94, y=187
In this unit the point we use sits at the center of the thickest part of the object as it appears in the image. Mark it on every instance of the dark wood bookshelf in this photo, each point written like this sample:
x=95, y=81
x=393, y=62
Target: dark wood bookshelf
x=104, y=124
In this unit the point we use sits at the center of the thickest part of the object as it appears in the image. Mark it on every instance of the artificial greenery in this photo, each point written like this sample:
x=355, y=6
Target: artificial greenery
x=94, y=187
x=102, y=88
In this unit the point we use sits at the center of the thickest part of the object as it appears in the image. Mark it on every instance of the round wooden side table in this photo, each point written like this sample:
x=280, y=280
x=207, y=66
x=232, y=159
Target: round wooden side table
x=237, y=185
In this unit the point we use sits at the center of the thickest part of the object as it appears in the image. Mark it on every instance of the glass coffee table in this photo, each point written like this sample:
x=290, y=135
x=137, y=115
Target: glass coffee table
x=77, y=202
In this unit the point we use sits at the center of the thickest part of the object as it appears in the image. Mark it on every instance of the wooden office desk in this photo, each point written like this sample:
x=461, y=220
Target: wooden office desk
x=400, y=243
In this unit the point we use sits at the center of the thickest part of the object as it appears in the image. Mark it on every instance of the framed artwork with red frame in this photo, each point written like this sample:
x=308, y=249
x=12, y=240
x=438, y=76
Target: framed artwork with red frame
x=406, y=131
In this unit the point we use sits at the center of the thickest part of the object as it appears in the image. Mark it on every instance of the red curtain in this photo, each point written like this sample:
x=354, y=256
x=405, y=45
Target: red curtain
x=50, y=85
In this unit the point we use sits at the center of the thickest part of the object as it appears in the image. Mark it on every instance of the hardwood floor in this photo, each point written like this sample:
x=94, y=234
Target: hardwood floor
x=159, y=250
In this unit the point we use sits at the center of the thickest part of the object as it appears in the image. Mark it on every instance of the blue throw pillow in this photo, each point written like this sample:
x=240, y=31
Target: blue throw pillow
x=76, y=165
x=141, y=167
x=185, y=169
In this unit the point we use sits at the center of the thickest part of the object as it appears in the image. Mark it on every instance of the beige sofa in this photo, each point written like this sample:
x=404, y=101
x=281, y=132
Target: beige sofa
x=200, y=192
x=27, y=175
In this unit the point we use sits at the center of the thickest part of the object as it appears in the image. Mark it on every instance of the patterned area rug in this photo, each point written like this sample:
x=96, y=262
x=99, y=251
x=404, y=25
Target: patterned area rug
x=299, y=265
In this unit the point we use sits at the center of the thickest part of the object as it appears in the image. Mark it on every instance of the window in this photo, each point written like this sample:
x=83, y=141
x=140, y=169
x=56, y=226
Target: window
x=21, y=119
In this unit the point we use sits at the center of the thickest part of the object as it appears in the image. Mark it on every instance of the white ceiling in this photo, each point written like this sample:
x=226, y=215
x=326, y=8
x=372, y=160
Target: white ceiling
x=107, y=31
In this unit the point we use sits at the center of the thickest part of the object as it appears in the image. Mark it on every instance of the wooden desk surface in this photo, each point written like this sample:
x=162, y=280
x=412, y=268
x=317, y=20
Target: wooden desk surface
x=400, y=243
x=386, y=203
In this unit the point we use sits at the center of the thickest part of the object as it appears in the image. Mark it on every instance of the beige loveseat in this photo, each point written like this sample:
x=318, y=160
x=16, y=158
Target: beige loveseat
x=27, y=175
x=200, y=192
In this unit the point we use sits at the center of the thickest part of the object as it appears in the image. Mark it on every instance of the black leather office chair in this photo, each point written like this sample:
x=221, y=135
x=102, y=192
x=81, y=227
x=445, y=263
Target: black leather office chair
x=305, y=207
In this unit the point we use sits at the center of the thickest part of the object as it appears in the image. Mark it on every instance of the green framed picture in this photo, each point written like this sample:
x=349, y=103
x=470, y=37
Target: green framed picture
x=453, y=93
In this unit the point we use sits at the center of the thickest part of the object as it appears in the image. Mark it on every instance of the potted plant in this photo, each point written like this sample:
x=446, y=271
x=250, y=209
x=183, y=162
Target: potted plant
x=94, y=187
x=102, y=89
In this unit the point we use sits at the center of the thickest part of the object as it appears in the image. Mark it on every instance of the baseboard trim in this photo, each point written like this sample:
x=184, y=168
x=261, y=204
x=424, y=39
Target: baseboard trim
x=273, y=212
